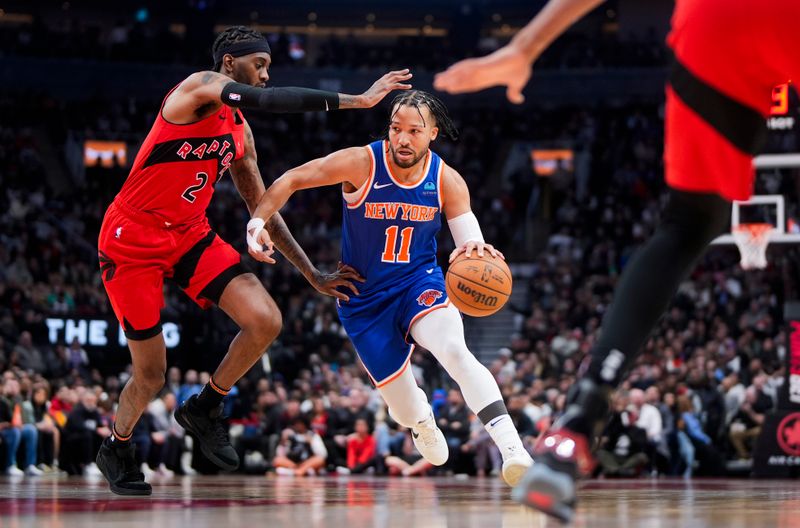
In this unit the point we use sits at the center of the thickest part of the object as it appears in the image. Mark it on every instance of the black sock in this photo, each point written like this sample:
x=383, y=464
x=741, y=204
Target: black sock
x=211, y=396
x=117, y=440
x=690, y=221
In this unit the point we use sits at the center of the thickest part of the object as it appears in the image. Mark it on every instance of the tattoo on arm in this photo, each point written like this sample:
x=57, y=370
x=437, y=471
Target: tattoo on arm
x=287, y=245
x=348, y=101
x=245, y=173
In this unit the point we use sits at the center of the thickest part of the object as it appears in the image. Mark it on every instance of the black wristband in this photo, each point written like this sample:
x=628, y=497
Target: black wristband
x=279, y=100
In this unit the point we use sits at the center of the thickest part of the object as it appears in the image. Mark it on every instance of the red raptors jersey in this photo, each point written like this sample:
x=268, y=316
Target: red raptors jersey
x=175, y=171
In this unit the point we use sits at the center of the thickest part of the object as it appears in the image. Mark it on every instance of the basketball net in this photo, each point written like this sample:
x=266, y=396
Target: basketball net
x=752, y=241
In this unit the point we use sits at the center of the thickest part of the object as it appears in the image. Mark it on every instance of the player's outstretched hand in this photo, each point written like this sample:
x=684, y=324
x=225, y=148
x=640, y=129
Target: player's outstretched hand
x=393, y=80
x=480, y=247
x=327, y=283
x=508, y=67
x=259, y=245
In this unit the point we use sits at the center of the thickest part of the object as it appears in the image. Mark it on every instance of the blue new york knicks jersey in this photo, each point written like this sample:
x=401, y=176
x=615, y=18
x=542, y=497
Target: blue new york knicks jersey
x=389, y=233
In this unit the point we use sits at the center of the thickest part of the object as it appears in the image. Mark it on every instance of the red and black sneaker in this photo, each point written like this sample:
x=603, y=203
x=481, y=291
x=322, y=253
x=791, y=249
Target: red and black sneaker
x=560, y=457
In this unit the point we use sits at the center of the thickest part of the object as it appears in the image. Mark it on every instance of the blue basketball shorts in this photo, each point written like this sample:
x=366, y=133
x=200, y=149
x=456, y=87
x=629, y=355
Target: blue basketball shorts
x=379, y=323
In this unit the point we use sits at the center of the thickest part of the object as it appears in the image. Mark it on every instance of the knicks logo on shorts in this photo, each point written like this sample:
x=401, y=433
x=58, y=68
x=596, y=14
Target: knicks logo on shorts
x=428, y=297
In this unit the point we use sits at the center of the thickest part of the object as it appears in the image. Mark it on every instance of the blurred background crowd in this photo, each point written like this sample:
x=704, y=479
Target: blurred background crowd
x=692, y=405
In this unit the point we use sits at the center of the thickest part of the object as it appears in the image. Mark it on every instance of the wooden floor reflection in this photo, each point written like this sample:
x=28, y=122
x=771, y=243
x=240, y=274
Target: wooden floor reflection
x=348, y=502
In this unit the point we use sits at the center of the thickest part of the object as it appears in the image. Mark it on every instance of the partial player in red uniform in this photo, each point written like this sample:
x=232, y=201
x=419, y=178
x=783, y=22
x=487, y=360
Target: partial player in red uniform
x=728, y=56
x=156, y=228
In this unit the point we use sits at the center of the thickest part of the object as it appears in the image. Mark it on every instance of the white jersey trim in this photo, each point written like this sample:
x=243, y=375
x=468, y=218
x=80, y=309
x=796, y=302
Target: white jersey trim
x=356, y=198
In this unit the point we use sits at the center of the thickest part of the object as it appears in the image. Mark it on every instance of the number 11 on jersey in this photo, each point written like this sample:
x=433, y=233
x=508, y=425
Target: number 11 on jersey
x=402, y=256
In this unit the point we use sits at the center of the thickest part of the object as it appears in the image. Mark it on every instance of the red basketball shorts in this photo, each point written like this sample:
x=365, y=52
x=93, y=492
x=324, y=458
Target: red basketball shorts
x=729, y=55
x=137, y=253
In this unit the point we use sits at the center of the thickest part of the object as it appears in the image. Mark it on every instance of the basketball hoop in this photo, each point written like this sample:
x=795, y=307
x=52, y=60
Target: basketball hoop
x=752, y=241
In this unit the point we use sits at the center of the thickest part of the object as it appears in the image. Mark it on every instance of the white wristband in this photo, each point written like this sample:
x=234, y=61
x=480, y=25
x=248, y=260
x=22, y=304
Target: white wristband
x=254, y=228
x=465, y=228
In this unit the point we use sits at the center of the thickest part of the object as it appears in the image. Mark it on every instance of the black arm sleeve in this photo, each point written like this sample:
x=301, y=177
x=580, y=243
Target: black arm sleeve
x=279, y=100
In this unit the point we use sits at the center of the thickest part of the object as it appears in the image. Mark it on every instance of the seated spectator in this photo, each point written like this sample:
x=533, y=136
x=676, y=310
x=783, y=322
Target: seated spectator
x=711, y=463
x=407, y=461
x=488, y=460
x=28, y=356
x=16, y=432
x=77, y=359
x=301, y=451
x=649, y=419
x=49, y=433
x=83, y=434
x=454, y=423
x=624, y=445
x=746, y=425
x=167, y=435
x=361, y=448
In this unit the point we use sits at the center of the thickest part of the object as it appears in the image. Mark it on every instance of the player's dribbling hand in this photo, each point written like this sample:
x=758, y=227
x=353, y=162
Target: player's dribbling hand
x=259, y=245
x=480, y=247
x=327, y=283
x=388, y=83
x=508, y=67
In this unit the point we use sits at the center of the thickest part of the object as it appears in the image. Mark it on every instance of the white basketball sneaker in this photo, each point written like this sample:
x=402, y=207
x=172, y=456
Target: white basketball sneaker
x=430, y=442
x=516, y=461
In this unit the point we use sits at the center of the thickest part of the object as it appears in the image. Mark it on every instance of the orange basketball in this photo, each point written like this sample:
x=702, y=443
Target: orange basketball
x=478, y=286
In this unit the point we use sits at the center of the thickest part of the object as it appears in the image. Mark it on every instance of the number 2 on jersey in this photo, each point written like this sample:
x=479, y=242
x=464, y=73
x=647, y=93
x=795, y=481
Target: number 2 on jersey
x=188, y=194
x=403, y=256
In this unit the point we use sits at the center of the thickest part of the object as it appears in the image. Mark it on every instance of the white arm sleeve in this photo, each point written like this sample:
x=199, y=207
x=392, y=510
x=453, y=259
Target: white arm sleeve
x=465, y=228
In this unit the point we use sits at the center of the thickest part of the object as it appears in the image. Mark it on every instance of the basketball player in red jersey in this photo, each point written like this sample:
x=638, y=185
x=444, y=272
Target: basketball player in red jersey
x=728, y=56
x=156, y=228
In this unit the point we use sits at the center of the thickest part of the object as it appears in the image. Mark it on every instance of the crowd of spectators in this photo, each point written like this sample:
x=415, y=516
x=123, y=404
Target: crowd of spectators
x=696, y=399
x=158, y=43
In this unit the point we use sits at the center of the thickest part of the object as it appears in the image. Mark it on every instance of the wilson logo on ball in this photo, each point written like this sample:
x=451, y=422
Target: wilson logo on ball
x=428, y=297
x=478, y=297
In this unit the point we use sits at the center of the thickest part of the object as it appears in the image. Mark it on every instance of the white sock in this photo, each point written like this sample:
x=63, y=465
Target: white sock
x=504, y=434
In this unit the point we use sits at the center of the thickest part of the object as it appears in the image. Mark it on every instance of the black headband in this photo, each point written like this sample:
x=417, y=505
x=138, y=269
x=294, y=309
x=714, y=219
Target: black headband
x=239, y=49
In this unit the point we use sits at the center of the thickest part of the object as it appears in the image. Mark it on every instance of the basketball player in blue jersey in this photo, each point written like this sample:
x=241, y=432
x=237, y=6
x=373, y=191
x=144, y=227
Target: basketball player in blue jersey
x=394, y=193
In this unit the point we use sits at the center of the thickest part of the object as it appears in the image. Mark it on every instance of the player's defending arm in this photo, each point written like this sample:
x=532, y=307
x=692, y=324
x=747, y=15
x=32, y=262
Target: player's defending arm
x=350, y=165
x=247, y=178
x=510, y=66
x=211, y=88
x=462, y=221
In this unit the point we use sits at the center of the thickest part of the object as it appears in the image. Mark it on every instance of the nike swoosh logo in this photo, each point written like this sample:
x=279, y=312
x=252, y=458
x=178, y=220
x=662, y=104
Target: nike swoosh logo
x=377, y=186
x=429, y=271
x=492, y=424
x=415, y=435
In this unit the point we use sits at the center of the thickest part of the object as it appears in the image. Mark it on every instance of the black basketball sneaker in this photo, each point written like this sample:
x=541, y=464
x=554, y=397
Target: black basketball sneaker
x=210, y=431
x=118, y=465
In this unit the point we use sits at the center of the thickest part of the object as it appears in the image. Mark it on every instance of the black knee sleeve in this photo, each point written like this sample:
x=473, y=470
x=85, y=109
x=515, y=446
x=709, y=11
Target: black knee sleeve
x=698, y=217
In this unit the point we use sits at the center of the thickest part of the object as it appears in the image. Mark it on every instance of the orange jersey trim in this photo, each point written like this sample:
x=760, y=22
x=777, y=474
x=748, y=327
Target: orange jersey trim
x=397, y=374
x=423, y=313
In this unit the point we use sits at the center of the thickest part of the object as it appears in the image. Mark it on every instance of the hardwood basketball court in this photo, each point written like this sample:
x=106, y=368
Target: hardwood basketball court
x=348, y=502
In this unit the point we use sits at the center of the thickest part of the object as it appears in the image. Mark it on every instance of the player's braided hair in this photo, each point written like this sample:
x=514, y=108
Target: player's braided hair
x=438, y=110
x=234, y=35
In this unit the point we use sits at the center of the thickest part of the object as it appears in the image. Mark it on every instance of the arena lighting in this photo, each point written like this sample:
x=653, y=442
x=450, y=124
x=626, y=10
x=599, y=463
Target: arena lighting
x=547, y=161
x=369, y=30
x=105, y=153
